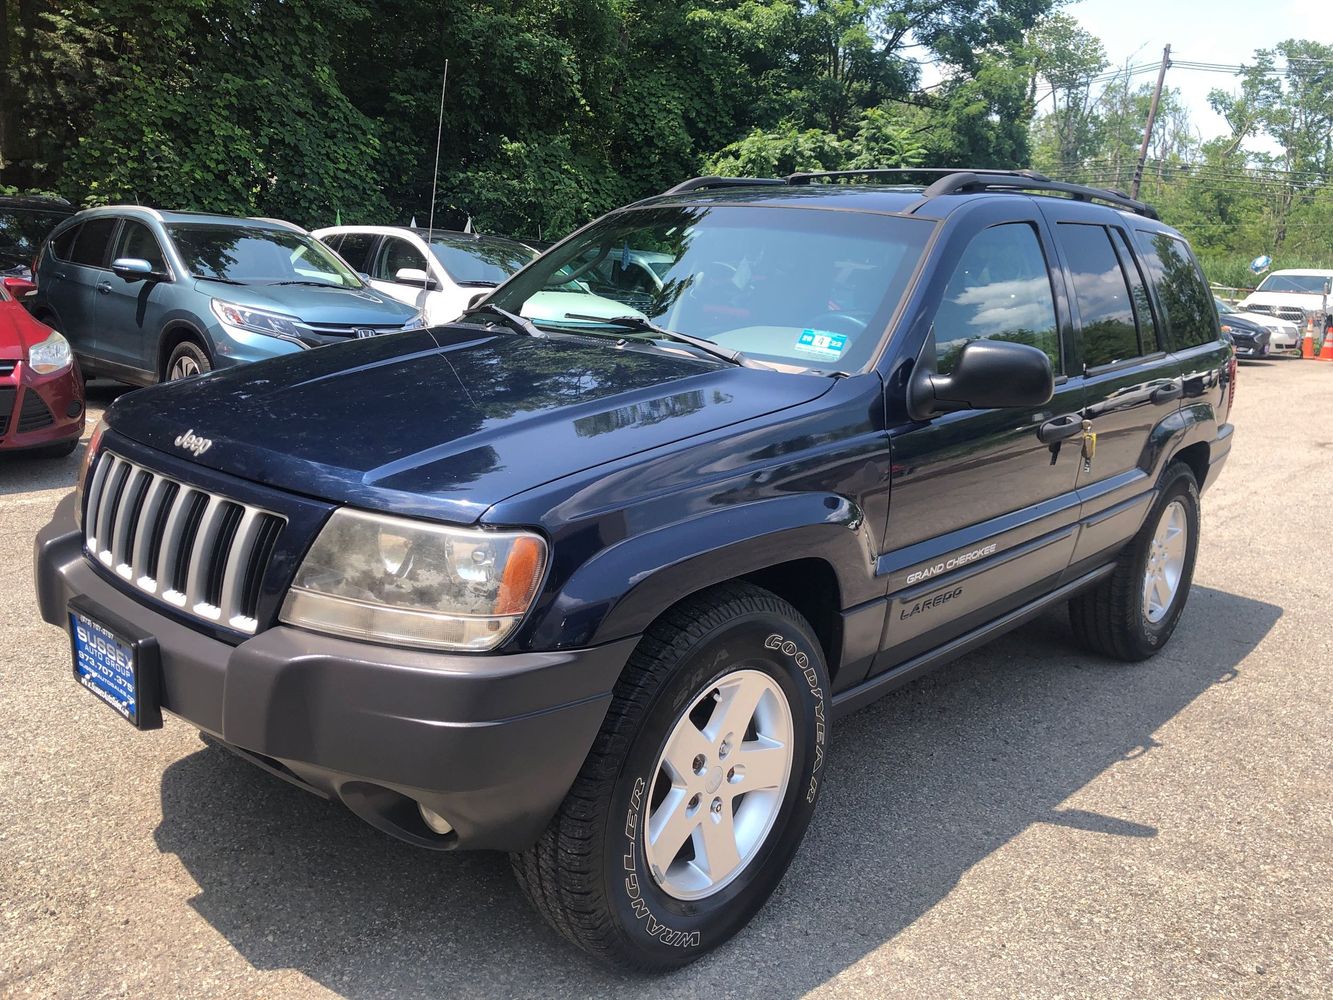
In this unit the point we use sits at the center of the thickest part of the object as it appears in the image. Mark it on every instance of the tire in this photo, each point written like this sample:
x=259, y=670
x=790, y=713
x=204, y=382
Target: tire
x=187, y=360
x=1116, y=618
x=589, y=874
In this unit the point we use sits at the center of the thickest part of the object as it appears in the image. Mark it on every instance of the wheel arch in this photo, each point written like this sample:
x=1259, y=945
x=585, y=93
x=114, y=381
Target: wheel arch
x=173, y=335
x=813, y=550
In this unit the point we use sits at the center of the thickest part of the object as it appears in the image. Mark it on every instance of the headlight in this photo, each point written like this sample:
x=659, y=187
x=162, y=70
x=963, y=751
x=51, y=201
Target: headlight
x=417, y=322
x=51, y=355
x=413, y=583
x=259, y=321
x=81, y=484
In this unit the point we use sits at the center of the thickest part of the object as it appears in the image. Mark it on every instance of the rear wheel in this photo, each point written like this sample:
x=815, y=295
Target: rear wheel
x=698, y=789
x=1131, y=614
x=187, y=360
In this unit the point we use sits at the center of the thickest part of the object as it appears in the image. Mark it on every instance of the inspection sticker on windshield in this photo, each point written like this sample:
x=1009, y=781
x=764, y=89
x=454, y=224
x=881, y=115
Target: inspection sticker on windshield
x=821, y=344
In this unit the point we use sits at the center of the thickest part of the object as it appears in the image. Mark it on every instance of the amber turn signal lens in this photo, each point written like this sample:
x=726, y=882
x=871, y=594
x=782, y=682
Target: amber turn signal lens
x=522, y=575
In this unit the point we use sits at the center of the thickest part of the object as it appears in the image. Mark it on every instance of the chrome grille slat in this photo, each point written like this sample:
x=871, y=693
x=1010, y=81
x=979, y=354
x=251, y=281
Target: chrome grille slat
x=177, y=542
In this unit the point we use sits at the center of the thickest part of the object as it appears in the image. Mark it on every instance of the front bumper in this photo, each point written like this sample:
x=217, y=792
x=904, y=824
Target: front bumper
x=491, y=743
x=40, y=410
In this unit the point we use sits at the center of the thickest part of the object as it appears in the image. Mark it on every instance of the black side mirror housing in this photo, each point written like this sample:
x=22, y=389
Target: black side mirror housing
x=988, y=374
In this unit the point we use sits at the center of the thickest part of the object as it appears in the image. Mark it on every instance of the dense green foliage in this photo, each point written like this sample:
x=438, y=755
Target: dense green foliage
x=557, y=110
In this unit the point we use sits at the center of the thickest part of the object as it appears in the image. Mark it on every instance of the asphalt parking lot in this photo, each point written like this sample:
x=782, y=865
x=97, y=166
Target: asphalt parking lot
x=1028, y=822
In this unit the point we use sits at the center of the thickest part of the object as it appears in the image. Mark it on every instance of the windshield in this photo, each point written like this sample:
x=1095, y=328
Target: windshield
x=480, y=261
x=253, y=255
x=798, y=289
x=22, y=231
x=1310, y=284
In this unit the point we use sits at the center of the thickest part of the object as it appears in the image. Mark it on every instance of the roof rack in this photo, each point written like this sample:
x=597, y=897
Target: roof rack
x=703, y=183
x=949, y=180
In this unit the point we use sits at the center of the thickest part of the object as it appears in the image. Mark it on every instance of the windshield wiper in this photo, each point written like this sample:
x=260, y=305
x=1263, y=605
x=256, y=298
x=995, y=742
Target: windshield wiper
x=309, y=281
x=218, y=277
x=646, y=326
x=515, y=321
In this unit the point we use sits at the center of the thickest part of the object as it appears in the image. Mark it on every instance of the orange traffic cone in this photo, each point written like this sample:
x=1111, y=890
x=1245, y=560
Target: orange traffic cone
x=1307, y=344
x=1326, y=352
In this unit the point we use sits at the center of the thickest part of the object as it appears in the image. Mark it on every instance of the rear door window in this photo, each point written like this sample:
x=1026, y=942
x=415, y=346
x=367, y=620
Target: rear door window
x=1109, y=332
x=1149, y=339
x=355, y=249
x=1001, y=289
x=63, y=245
x=90, y=246
x=1190, y=317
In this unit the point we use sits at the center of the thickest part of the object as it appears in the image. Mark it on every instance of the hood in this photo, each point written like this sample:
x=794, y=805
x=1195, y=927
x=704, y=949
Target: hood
x=1305, y=300
x=1242, y=324
x=446, y=422
x=315, y=304
x=18, y=330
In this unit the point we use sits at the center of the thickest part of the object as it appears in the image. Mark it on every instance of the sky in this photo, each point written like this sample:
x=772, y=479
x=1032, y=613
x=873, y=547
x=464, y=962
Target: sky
x=1213, y=31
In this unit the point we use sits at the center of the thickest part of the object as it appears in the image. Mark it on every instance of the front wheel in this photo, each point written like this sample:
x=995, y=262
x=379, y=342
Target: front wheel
x=188, y=360
x=1131, y=614
x=698, y=789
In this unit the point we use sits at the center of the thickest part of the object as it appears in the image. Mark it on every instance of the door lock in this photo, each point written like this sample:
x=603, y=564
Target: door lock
x=1089, y=445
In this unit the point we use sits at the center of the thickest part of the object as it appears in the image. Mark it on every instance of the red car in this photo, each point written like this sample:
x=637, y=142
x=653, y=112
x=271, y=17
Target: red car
x=41, y=387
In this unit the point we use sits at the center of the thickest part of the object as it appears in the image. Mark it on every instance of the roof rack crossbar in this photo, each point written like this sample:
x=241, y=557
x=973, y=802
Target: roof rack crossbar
x=966, y=181
x=805, y=177
x=704, y=183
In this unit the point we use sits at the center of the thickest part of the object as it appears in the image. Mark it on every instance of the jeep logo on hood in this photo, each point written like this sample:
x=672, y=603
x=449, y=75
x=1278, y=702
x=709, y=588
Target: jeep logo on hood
x=191, y=442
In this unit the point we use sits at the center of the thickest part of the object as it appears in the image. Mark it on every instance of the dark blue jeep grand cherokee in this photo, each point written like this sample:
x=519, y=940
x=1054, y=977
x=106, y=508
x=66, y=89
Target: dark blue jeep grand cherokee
x=592, y=588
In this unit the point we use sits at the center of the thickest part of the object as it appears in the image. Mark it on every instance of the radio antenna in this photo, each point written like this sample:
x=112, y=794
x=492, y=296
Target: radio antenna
x=439, y=133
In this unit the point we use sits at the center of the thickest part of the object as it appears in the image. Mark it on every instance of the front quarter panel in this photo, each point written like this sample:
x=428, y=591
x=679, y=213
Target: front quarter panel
x=633, y=537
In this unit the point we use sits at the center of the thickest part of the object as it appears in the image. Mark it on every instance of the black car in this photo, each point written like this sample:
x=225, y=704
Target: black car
x=1248, y=338
x=594, y=589
x=25, y=222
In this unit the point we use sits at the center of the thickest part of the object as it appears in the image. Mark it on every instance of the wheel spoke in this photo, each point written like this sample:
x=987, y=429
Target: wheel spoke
x=1161, y=591
x=765, y=765
x=720, y=854
x=735, y=708
x=669, y=827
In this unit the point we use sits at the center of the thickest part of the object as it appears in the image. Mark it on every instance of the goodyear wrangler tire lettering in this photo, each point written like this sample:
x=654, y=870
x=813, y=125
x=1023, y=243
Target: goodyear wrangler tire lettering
x=596, y=875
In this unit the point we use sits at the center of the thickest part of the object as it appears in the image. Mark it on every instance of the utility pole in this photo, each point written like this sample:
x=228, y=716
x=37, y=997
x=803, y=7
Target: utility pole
x=1152, y=117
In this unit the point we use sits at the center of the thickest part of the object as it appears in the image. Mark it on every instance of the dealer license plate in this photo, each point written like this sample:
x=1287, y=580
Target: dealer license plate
x=116, y=663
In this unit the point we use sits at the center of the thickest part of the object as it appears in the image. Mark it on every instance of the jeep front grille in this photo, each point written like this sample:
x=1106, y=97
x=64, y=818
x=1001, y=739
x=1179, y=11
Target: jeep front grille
x=192, y=549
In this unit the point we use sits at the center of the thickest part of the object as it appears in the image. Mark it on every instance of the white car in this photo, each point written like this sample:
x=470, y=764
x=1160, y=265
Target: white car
x=441, y=272
x=1290, y=297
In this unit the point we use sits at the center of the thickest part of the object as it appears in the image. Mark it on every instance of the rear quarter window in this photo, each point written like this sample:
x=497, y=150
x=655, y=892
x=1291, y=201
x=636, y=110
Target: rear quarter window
x=63, y=245
x=1186, y=301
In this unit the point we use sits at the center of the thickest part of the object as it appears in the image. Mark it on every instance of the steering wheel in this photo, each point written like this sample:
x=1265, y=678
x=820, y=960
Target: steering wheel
x=839, y=323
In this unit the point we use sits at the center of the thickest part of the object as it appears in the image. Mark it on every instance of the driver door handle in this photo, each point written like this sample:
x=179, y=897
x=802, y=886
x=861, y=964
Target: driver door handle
x=104, y=287
x=1060, y=428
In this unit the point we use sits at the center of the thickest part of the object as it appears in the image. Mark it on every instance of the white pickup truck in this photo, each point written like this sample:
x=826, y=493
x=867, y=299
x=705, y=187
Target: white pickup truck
x=1292, y=296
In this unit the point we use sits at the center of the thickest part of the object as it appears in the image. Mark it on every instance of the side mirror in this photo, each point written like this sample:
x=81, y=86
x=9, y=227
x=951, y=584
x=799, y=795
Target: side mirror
x=477, y=298
x=132, y=269
x=416, y=276
x=18, y=287
x=988, y=374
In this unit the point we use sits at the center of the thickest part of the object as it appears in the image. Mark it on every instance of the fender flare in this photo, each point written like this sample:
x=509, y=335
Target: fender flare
x=623, y=588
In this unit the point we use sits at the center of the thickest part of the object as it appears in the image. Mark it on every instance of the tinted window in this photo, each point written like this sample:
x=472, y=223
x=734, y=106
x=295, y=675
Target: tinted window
x=1138, y=290
x=22, y=231
x=137, y=240
x=1310, y=284
x=91, y=244
x=250, y=254
x=1001, y=290
x=1102, y=294
x=395, y=255
x=63, y=245
x=1181, y=290
x=355, y=249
